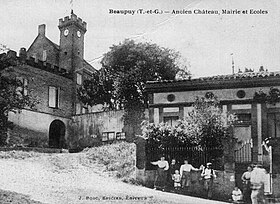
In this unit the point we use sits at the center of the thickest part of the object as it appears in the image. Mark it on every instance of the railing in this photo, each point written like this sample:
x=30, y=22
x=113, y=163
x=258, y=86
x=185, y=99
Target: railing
x=243, y=153
x=195, y=155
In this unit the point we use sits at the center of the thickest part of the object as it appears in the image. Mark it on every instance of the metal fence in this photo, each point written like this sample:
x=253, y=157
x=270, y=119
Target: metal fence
x=243, y=154
x=195, y=155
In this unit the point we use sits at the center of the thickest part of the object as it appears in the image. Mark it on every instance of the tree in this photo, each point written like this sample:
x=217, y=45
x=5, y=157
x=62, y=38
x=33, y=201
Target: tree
x=211, y=124
x=11, y=96
x=183, y=72
x=126, y=68
x=206, y=125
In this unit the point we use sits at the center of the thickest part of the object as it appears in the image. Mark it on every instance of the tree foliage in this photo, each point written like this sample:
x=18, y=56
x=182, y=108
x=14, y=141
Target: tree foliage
x=272, y=97
x=205, y=125
x=11, y=95
x=126, y=68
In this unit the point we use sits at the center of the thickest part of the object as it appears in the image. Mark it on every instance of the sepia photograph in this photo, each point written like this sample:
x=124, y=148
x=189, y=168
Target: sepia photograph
x=125, y=101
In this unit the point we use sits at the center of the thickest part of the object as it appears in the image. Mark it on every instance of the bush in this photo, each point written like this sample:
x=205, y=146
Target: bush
x=118, y=158
x=205, y=125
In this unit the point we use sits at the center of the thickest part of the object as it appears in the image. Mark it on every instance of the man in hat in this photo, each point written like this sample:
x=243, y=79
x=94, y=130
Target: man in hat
x=208, y=174
x=161, y=175
x=257, y=180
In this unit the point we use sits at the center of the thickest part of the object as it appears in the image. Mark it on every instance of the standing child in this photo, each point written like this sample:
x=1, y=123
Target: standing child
x=177, y=180
x=172, y=168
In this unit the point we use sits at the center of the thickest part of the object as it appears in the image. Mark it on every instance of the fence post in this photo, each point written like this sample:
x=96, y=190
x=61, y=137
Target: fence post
x=140, y=158
x=229, y=165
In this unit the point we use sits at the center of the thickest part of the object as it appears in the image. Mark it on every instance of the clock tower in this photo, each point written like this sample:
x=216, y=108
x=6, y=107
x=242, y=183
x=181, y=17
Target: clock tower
x=71, y=54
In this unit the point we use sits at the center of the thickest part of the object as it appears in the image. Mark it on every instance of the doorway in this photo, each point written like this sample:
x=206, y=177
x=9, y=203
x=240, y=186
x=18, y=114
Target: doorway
x=57, y=134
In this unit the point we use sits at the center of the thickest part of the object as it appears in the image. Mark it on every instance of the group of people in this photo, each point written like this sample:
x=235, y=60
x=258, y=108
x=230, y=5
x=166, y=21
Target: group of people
x=253, y=186
x=178, y=177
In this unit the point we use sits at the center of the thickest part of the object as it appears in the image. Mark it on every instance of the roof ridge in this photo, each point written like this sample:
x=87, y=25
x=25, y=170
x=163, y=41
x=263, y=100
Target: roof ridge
x=245, y=75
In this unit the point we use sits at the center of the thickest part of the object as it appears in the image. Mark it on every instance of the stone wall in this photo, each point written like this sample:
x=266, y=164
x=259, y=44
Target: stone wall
x=38, y=85
x=223, y=184
x=87, y=129
x=31, y=126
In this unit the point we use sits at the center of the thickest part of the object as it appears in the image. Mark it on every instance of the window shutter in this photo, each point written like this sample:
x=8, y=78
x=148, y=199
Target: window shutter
x=52, y=95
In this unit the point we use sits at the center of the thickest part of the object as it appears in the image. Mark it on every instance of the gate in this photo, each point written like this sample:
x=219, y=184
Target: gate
x=243, y=154
x=242, y=158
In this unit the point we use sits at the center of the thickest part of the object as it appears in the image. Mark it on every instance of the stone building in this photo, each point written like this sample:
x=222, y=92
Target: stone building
x=252, y=96
x=52, y=73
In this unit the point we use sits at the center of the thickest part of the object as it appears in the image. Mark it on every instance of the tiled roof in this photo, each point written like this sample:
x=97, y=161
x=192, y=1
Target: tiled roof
x=244, y=75
x=230, y=81
x=88, y=66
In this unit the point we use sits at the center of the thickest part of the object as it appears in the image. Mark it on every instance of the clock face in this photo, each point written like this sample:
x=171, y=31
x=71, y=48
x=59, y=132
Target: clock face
x=78, y=33
x=66, y=32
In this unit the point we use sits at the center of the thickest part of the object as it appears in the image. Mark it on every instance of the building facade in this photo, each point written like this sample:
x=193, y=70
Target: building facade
x=51, y=73
x=252, y=96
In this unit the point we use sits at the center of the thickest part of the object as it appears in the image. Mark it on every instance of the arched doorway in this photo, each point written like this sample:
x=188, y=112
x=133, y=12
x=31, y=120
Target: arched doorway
x=57, y=134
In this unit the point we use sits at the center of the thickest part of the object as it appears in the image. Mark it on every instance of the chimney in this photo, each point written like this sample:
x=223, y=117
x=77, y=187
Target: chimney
x=42, y=29
x=261, y=69
x=22, y=54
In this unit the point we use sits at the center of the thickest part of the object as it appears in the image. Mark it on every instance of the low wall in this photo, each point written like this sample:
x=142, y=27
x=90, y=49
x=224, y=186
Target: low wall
x=276, y=185
x=223, y=184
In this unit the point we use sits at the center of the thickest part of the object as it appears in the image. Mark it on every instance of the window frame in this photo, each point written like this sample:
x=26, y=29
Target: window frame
x=79, y=78
x=106, y=136
x=57, y=97
x=174, y=118
x=23, y=88
x=78, y=108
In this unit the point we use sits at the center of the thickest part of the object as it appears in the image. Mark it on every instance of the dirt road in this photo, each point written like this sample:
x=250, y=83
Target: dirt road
x=61, y=179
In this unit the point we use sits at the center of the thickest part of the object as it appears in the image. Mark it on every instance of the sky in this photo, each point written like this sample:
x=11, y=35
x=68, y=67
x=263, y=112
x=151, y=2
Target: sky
x=207, y=42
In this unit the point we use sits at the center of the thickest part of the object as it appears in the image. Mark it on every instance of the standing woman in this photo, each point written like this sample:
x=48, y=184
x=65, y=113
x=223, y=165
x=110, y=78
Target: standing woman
x=161, y=175
x=246, y=176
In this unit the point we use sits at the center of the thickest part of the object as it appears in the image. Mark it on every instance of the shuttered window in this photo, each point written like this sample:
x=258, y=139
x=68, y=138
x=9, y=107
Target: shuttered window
x=53, y=97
